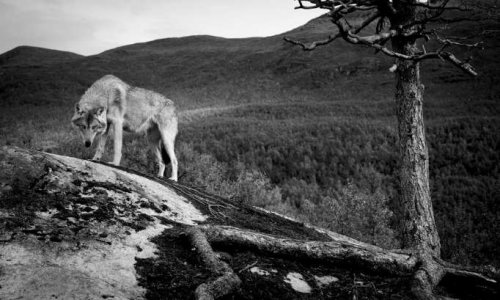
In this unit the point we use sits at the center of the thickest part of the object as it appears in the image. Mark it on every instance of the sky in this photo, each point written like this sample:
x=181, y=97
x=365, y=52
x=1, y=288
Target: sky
x=91, y=26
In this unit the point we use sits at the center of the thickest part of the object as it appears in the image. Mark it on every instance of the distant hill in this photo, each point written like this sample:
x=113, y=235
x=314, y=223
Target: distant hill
x=28, y=55
x=174, y=65
x=190, y=67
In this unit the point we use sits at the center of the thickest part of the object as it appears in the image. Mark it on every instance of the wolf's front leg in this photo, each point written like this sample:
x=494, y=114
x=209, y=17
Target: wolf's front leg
x=101, y=145
x=118, y=141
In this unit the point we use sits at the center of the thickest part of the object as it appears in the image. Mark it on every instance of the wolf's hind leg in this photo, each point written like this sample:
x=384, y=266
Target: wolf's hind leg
x=168, y=138
x=154, y=140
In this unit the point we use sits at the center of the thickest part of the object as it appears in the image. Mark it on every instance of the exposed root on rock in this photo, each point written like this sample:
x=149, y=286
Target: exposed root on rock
x=370, y=257
x=427, y=270
x=225, y=282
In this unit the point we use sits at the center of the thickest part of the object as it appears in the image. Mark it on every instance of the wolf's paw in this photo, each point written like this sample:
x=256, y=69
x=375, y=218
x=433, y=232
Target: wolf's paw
x=113, y=163
x=173, y=178
x=96, y=158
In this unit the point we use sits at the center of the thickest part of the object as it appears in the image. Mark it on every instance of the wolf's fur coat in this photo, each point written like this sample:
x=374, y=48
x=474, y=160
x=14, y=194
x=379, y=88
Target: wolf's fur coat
x=112, y=102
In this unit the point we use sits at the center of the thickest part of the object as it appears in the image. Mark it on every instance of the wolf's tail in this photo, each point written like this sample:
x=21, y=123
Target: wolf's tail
x=164, y=155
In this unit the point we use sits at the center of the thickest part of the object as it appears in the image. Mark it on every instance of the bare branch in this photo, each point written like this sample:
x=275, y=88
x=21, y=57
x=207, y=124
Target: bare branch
x=302, y=6
x=442, y=6
x=331, y=38
x=441, y=54
x=472, y=12
x=454, y=20
x=378, y=41
x=373, y=39
x=313, y=45
x=466, y=67
x=430, y=14
x=343, y=6
x=448, y=41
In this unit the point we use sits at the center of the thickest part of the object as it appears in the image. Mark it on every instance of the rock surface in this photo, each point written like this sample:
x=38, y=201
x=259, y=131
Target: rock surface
x=75, y=228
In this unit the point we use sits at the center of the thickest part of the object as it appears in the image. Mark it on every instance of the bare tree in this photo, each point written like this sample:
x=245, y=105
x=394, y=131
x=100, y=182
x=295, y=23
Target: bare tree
x=408, y=25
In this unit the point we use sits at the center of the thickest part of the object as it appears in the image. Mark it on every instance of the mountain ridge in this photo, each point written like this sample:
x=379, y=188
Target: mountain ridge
x=33, y=55
x=173, y=65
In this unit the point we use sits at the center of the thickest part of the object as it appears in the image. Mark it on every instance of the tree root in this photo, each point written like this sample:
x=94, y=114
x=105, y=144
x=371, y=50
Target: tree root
x=478, y=273
x=226, y=282
x=428, y=276
x=369, y=257
x=427, y=270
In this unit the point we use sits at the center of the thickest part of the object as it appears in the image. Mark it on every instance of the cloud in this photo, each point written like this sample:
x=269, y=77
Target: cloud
x=48, y=25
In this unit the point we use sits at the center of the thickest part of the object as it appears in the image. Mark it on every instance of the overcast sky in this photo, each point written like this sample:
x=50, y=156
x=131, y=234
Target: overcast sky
x=92, y=26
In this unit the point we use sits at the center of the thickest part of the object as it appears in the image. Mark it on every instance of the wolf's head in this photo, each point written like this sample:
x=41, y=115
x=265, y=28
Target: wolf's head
x=90, y=122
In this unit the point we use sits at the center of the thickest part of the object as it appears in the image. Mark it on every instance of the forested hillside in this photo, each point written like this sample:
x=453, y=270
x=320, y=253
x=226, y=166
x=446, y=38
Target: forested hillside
x=308, y=134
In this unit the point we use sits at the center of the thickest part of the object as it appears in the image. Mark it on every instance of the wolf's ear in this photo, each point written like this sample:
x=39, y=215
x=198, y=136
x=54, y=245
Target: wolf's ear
x=78, y=109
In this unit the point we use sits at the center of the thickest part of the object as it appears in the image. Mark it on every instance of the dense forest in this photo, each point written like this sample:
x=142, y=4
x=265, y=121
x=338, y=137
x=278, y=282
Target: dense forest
x=315, y=158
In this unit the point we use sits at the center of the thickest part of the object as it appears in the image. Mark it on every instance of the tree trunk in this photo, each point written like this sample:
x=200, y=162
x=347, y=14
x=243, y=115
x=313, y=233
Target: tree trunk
x=419, y=228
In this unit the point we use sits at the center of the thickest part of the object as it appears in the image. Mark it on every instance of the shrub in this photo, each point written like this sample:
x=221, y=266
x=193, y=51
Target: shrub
x=234, y=182
x=355, y=212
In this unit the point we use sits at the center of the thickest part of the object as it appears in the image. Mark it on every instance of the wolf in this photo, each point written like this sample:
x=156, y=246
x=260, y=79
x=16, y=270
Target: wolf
x=110, y=102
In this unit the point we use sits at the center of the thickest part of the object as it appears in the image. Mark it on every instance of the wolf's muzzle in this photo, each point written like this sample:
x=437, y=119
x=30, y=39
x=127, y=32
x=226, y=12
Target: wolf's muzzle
x=88, y=143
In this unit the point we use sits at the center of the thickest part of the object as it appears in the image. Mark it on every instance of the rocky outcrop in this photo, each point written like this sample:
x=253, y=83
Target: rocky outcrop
x=77, y=229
